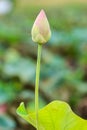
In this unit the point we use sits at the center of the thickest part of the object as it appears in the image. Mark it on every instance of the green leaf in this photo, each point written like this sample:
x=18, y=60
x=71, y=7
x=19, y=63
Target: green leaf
x=55, y=116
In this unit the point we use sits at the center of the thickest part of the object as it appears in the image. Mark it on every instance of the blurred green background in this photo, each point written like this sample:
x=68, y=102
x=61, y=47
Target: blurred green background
x=64, y=57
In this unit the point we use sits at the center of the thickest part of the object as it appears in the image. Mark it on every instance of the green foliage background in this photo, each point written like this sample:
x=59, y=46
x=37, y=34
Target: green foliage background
x=64, y=61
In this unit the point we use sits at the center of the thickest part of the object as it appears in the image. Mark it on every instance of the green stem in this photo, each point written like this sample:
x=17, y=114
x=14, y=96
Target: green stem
x=37, y=85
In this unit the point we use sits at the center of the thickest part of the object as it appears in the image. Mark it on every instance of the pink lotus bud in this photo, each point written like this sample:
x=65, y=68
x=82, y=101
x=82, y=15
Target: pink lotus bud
x=41, y=30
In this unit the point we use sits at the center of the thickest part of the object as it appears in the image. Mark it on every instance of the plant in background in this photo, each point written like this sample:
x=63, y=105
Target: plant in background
x=57, y=115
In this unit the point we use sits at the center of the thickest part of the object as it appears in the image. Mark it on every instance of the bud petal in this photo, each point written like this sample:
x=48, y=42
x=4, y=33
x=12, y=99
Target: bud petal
x=41, y=30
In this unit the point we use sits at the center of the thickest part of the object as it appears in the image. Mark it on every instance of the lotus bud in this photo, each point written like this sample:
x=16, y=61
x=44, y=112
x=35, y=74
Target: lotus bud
x=41, y=32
